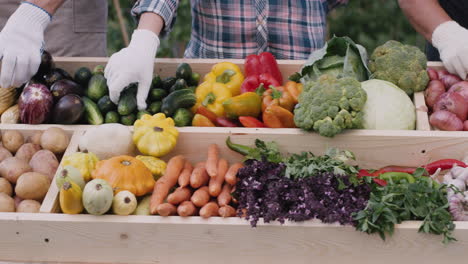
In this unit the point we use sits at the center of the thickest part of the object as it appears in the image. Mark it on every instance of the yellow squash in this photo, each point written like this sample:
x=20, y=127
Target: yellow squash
x=84, y=162
x=71, y=198
x=155, y=135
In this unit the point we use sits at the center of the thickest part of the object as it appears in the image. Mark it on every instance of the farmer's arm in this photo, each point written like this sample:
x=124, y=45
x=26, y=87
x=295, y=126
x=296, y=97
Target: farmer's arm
x=48, y=5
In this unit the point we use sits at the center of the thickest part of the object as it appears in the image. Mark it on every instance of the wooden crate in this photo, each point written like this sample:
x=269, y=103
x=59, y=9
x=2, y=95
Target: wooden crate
x=55, y=237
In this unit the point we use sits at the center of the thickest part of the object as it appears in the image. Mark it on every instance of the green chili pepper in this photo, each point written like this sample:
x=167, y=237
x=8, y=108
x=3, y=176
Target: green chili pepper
x=244, y=150
x=397, y=177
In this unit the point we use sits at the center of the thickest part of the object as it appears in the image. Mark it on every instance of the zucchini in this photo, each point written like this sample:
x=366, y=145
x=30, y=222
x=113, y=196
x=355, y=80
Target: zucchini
x=157, y=94
x=184, y=98
x=168, y=82
x=155, y=107
x=183, y=117
x=179, y=85
x=105, y=104
x=92, y=114
x=112, y=117
x=82, y=76
x=141, y=113
x=127, y=103
x=157, y=82
x=128, y=120
x=184, y=71
x=97, y=87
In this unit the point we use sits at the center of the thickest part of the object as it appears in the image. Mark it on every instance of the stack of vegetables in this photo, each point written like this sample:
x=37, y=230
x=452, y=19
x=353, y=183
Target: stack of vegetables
x=25, y=177
x=447, y=100
x=227, y=98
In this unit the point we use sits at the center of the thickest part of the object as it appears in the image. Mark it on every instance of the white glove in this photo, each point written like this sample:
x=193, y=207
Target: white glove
x=133, y=64
x=21, y=44
x=451, y=40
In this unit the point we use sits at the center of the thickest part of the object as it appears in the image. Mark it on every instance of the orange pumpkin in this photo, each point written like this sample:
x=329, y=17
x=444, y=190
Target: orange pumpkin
x=125, y=173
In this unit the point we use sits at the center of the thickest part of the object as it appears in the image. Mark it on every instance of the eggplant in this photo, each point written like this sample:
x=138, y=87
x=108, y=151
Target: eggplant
x=46, y=66
x=68, y=110
x=63, y=87
x=56, y=74
x=35, y=104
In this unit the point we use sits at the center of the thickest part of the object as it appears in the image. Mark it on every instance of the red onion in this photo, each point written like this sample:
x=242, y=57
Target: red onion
x=450, y=80
x=445, y=120
x=465, y=125
x=442, y=73
x=434, y=89
x=433, y=75
x=460, y=88
x=454, y=103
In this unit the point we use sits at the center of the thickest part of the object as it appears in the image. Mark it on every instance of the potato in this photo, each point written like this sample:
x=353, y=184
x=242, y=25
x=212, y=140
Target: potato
x=28, y=206
x=12, y=140
x=7, y=204
x=35, y=138
x=4, y=153
x=55, y=139
x=5, y=186
x=27, y=151
x=12, y=168
x=44, y=162
x=18, y=200
x=32, y=185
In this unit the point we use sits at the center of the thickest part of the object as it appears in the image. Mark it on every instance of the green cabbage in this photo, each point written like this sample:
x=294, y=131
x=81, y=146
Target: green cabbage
x=387, y=107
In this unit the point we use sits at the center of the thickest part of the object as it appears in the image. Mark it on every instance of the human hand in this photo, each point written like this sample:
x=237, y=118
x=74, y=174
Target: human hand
x=133, y=64
x=21, y=44
x=451, y=40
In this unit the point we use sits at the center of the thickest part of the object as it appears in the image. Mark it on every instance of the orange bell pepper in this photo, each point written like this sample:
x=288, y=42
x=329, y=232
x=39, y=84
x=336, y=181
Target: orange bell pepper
x=294, y=89
x=201, y=121
x=277, y=117
x=278, y=96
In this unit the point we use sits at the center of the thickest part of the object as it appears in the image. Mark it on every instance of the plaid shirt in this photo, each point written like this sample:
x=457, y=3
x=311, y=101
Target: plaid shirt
x=235, y=29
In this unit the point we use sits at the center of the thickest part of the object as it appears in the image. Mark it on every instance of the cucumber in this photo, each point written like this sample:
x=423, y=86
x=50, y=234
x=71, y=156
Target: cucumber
x=82, y=76
x=112, y=117
x=127, y=103
x=179, y=85
x=183, y=117
x=168, y=82
x=92, y=114
x=184, y=98
x=97, y=88
x=184, y=71
x=157, y=94
x=141, y=113
x=99, y=69
x=194, y=79
x=155, y=107
x=192, y=88
x=128, y=120
x=105, y=104
x=157, y=82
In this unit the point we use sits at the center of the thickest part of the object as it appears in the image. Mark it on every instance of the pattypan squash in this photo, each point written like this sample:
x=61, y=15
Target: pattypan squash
x=155, y=165
x=85, y=162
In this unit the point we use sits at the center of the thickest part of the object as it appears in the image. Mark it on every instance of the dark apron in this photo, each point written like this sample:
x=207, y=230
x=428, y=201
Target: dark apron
x=458, y=11
x=78, y=29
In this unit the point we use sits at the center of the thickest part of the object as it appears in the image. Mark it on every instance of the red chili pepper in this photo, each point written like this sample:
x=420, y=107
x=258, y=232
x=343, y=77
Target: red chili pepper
x=380, y=182
x=224, y=122
x=249, y=121
x=251, y=83
x=444, y=164
x=409, y=170
x=259, y=69
x=365, y=173
x=207, y=113
x=270, y=65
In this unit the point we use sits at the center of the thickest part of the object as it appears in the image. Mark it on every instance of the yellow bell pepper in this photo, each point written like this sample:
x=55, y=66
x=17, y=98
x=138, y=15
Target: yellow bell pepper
x=84, y=162
x=246, y=104
x=228, y=74
x=155, y=165
x=155, y=135
x=212, y=95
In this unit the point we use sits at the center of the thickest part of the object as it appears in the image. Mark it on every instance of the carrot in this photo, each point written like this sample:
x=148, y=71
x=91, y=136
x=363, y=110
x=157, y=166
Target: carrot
x=184, y=178
x=212, y=160
x=186, y=208
x=224, y=198
x=227, y=211
x=214, y=187
x=199, y=176
x=231, y=175
x=179, y=195
x=210, y=209
x=200, y=197
x=166, y=209
x=166, y=182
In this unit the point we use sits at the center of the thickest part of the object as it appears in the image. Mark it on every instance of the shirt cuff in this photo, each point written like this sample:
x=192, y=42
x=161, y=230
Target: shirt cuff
x=167, y=9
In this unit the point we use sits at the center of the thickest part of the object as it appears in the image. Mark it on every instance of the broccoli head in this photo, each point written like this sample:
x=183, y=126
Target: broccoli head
x=330, y=105
x=402, y=65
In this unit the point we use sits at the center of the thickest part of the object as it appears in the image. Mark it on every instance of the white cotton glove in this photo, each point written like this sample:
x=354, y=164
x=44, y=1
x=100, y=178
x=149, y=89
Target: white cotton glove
x=21, y=44
x=451, y=40
x=133, y=64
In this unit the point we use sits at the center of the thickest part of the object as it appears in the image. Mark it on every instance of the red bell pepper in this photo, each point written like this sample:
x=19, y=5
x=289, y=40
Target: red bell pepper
x=259, y=69
x=249, y=121
x=224, y=122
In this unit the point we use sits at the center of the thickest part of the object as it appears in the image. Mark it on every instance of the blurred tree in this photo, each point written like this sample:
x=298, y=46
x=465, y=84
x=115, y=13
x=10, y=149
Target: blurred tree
x=368, y=22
